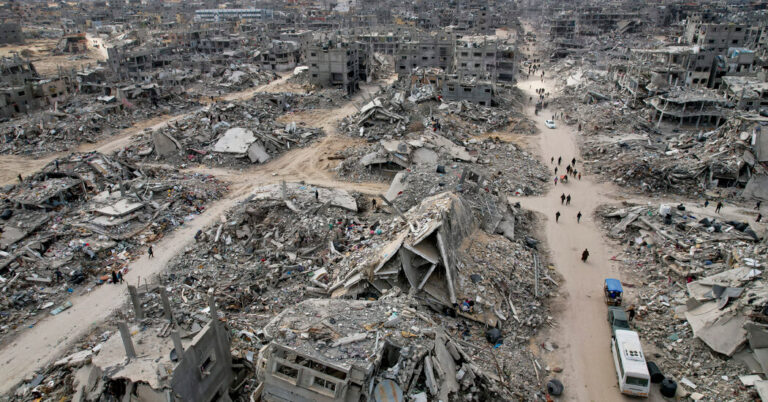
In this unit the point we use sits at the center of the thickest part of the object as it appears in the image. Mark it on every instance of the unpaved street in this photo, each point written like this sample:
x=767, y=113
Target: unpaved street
x=582, y=332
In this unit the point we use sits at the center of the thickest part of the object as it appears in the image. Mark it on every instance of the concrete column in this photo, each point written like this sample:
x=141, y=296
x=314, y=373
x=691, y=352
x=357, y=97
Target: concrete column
x=125, y=333
x=177, y=343
x=212, y=305
x=166, y=304
x=138, y=311
x=682, y=115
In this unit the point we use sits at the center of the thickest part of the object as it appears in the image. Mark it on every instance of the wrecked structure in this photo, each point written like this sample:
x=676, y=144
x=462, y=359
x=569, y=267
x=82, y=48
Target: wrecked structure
x=140, y=360
x=701, y=279
x=81, y=218
x=339, y=64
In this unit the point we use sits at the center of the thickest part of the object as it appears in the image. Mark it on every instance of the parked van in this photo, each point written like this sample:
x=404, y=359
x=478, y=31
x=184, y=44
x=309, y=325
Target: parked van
x=629, y=359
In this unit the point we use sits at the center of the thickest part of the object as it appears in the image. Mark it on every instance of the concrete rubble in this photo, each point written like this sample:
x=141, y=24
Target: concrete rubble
x=67, y=227
x=696, y=283
x=226, y=134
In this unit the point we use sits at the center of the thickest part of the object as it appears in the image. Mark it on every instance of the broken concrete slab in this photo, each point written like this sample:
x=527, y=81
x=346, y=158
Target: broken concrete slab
x=236, y=140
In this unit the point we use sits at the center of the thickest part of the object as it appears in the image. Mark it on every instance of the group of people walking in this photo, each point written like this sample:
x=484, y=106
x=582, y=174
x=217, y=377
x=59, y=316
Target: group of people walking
x=566, y=199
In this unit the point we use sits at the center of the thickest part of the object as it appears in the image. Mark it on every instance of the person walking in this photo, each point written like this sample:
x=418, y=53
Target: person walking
x=759, y=217
x=579, y=176
x=573, y=162
x=555, y=169
x=562, y=198
x=757, y=206
x=719, y=205
x=555, y=180
x=114, y=277
x=584, y=255
x=559, y=159
x=578, y=217
x=119, y=276
x=706, y=203
x=552, y=161
x=568, y=200
x=557, y=216
x=151, y=252
x=317, y=195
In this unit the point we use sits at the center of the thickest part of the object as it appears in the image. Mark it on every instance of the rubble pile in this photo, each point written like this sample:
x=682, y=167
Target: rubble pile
x=81, y=218
x=290, y=242
x=406, y=350
x=428, y=163
x=696, y=281
x=390, y=115
x=621, y=143
x=379, y=118
x=83, y=119
x=681, y=163
x=235, y=78
x=226, y=134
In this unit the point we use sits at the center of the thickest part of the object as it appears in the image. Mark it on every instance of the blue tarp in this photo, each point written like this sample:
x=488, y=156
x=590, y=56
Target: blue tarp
x=613, y=285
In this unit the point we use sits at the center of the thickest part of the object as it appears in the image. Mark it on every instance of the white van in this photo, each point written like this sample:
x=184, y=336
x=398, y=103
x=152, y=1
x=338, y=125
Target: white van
x=630, y=363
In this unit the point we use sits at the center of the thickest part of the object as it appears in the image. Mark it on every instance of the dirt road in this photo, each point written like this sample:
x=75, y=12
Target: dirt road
x=582, y=333
x=54, y=335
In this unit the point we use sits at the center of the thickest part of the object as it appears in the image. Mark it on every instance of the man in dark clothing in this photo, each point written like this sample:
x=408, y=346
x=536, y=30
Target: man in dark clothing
x=706, y=203
x=120, y=276
x=573, y=162
x=559, y=159
x=317, y=195
x=568, y=200
x=585, y=255
x=20, y=179
x=757, y=206
x=759, y=217
x=562, y=199
x=631, y=312
x=557, y=216
x=719, y=205
x=555, y=169
x=578, y=217
x=151, y=252
x=114, y=277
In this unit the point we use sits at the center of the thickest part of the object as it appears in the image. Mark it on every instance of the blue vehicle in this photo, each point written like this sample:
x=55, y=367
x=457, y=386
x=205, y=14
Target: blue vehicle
x=613, y=292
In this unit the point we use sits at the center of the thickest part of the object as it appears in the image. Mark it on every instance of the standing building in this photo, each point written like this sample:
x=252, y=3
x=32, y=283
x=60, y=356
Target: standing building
x=338, y=64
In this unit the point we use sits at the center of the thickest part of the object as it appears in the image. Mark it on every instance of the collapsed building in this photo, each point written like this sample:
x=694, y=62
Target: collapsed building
x=81, y=218
x=164, y=354
x=702, y=281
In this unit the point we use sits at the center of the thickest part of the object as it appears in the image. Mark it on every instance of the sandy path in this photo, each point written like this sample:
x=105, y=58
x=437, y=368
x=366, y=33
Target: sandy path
x=54, y=335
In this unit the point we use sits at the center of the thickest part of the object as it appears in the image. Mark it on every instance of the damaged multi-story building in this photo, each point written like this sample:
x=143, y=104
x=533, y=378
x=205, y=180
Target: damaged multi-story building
x=24, y=91
x=340, y=64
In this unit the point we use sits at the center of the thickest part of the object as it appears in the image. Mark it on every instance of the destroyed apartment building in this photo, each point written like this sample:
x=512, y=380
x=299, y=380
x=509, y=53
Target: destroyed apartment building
x=160, y=354
x=226, y=133
x=339, y=64
x=82, y=218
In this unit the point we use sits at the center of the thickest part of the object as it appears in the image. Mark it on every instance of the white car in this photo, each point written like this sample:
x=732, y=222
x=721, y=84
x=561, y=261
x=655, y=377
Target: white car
x=549, y=123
